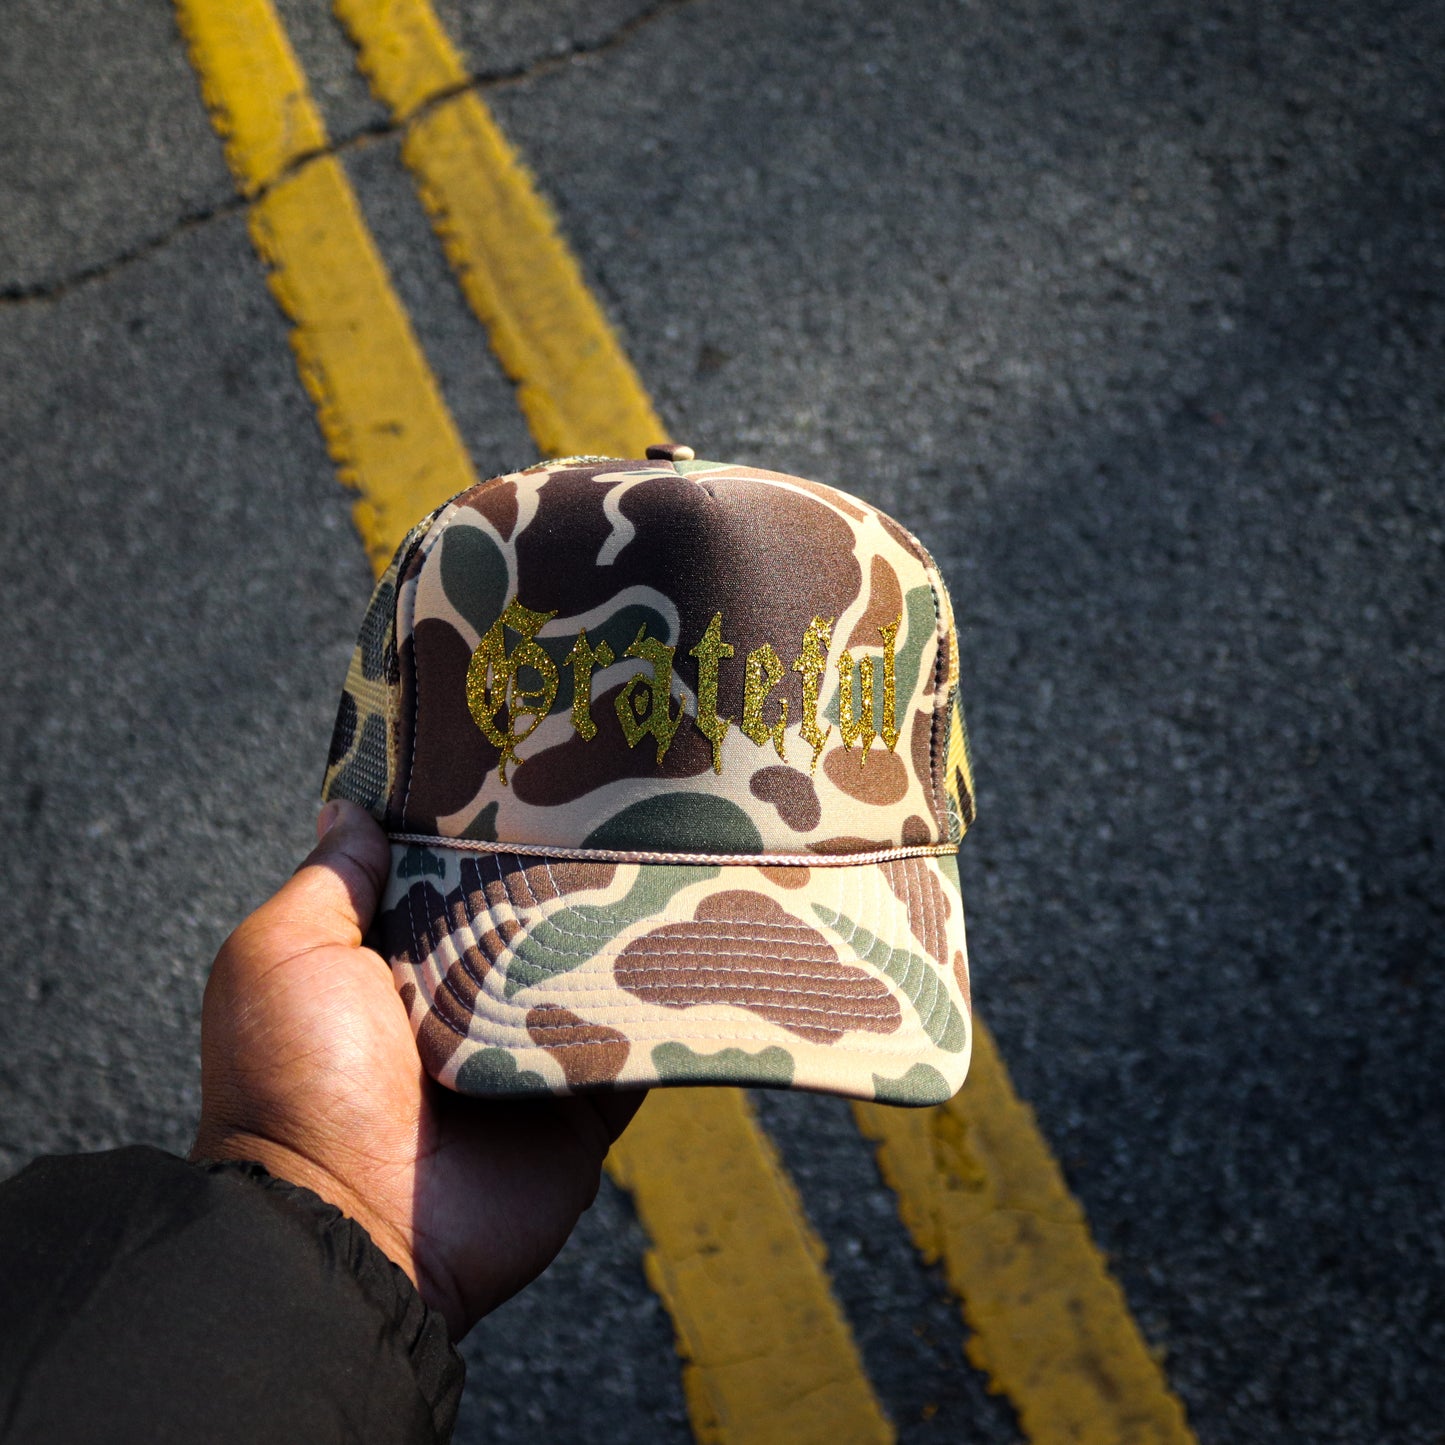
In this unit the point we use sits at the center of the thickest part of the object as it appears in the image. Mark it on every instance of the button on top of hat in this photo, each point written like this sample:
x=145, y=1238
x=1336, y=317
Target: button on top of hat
x=670, y=452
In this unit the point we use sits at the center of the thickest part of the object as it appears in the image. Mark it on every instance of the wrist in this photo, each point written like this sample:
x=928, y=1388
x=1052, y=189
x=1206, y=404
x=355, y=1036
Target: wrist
x=283, y=1162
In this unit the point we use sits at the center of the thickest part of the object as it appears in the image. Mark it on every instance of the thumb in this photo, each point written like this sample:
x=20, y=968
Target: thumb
x=333, y=895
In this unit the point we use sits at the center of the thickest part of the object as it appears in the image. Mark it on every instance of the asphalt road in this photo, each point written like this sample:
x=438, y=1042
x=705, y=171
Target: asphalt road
x=1135, y=313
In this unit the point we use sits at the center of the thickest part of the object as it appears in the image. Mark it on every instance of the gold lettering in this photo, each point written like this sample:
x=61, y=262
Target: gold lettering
x=582, y=659
x=492, y=682
x=709, y=653
x=643, y=705
x=812, y=662
x=889, y=731
x=763, y=673
x=856, y=728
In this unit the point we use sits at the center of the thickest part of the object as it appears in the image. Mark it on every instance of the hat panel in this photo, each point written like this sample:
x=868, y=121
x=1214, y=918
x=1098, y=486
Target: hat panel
x=769, y=557
x=655, y=627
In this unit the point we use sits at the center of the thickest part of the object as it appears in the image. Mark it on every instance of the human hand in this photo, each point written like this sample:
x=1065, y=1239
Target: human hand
x=308, y=1066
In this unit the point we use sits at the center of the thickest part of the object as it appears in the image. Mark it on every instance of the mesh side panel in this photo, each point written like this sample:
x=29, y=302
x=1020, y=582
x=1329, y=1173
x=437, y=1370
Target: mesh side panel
x=363, y=773
x=957, y=763
x=361, y=766
x=958, y=772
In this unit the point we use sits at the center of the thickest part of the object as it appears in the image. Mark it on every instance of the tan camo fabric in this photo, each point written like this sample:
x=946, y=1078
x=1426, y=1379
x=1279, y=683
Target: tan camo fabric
x=674, y=768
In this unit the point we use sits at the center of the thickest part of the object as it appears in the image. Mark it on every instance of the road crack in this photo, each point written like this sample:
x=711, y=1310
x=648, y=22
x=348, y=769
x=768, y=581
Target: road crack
x=481, y=81
x=546, y=64
x=29, y=293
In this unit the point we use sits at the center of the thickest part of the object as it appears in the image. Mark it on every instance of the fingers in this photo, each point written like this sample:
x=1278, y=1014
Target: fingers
x=334, y=893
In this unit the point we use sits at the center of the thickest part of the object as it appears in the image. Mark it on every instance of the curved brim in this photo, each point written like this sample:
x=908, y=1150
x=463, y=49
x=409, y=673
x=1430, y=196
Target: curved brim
x=529, y=976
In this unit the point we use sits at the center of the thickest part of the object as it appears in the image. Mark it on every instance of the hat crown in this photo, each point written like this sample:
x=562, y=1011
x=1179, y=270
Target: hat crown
x=663, y=657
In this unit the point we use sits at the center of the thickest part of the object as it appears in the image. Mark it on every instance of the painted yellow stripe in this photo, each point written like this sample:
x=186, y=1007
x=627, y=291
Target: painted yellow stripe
x=575, y=384
x=980, y=1191
x=403, y=51
x=253, y=88
x=769, y=1357
x=378, y=404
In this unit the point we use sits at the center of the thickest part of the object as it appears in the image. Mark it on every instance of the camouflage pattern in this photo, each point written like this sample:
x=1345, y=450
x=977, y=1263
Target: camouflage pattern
x=624, y=721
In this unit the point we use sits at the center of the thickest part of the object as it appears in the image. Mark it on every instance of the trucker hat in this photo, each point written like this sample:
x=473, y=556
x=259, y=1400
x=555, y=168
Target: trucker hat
x=673, y=768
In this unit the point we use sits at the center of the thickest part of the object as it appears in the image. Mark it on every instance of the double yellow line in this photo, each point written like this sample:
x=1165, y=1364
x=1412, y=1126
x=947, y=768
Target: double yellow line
x=768, y=1355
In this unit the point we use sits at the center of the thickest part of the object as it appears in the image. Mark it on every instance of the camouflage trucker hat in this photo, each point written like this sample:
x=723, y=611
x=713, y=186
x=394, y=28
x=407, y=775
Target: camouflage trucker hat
x=672, y=763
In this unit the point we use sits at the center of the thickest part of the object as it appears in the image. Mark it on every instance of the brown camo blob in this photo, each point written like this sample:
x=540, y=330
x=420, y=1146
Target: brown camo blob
x=436, y=1041
x=792, y=793
x=885, y=605
x=789, y=877
x=508, y=881
x=960, y=973
x=916, y=886
x=730, y=954
x=588, y=1053
x=921, y=742
x=829, y=494
x=575, y=768
x=444, y=728
x=882, y=781
x=497, y=502
x=847, y=843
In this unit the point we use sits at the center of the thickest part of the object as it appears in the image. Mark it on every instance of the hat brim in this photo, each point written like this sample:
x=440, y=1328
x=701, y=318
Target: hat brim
x=525, y=975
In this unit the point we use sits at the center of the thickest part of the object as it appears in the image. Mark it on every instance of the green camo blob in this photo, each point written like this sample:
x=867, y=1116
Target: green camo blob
x=483, y=828
x=677, y=1064
x=922, y=1084
x=418, y=862
x=573, y=935
x=679, y=823
x=922, y=622
x=495, y=1071
x=696, y=468
x=918, y=980
x=474, y=576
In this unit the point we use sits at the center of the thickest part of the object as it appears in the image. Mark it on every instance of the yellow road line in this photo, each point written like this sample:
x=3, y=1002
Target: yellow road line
x=769, y=1357
x=252, y=86
x=980, y=1191
x=575, y=384
x=378, y=404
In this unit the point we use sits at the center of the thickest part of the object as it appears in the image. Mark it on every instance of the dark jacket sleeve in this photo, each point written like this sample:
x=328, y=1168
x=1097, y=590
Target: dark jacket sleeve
x=149, y=1299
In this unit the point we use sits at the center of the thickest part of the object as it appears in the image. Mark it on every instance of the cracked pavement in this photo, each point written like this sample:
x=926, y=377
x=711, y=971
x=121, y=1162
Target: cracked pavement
x=1136, y=314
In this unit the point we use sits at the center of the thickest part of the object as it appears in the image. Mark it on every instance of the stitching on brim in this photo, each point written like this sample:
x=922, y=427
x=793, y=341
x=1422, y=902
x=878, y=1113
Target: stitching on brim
x=572, y=986
x=605, y=1001
x=934, y=919
x=563, y=981
x=858, y=1045
x=519, y=1013
x=574, y=983
x=725, y=860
